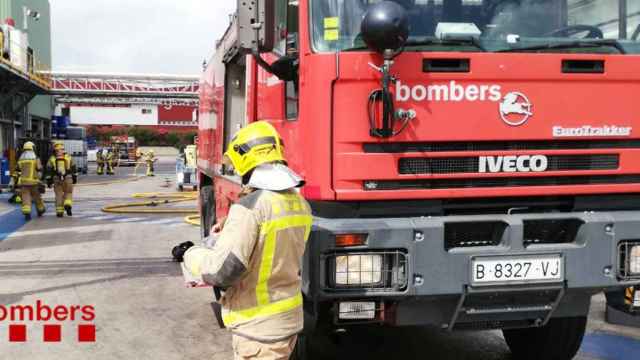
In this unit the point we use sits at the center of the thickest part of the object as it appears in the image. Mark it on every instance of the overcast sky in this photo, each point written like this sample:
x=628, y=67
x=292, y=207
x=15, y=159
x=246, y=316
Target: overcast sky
x=136, y=36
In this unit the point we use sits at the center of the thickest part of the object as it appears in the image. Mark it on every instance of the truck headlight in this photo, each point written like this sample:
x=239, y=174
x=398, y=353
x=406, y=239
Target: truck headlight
x=358, y=270
x=634, y=260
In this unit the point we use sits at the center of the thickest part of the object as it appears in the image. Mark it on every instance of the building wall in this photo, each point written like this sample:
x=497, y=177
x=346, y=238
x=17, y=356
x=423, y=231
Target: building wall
x=39, y=33
x=121, y=115
x=160, y=117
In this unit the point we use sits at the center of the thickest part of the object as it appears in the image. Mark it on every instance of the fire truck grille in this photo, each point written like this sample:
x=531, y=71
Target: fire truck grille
x=554, y=231
x=372, y=185
x=387, y=148
x=416, y=166
x=472, y=234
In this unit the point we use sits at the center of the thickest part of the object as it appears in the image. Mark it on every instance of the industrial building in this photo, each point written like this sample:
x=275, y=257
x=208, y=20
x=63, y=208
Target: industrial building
x=167, y=117
x=25, y=35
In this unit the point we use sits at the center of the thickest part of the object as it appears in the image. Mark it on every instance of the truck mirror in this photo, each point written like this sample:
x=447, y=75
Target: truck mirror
x=256, y=25
x=385, y=27
x=285, y=68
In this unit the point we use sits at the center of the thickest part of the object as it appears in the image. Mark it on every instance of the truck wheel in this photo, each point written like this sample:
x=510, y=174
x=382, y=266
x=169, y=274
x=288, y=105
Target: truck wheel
x=207, y=211
x=560, y=339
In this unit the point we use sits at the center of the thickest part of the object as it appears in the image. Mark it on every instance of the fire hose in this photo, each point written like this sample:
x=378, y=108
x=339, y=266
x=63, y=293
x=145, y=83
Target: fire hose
x=155, y=200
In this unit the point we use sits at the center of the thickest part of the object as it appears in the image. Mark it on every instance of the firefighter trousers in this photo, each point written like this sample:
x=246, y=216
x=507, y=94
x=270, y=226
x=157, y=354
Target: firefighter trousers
x=100, y=167
x=64, y=194
x=150, y=168
x=29, y=194
x=245, y=349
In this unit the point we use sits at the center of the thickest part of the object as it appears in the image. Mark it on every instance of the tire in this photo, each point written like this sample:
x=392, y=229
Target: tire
x=207, y=211
x=560, y=339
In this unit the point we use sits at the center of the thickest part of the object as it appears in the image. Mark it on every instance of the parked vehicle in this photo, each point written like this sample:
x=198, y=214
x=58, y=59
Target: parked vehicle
x=125, y=147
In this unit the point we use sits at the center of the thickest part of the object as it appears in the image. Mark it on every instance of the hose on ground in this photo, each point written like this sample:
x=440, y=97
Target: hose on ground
x=193, y=220
x=156, y=200
x=136, y=178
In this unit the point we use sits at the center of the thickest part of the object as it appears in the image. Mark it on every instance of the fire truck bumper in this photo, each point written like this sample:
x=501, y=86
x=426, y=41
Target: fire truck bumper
x=461, y=272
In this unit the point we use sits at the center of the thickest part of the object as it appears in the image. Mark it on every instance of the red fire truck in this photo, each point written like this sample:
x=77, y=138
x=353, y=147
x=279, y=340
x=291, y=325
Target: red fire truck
x=471, y=164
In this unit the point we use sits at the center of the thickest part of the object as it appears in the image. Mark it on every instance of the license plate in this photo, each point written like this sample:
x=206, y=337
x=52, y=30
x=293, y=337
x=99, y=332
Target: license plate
x=526, y=269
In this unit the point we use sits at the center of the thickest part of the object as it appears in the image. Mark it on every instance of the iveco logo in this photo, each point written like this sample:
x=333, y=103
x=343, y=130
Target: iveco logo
x=512, y=164
x=515, y=109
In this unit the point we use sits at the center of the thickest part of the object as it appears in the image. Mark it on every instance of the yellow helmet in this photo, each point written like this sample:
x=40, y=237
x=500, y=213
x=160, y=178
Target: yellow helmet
x=58, y=145
x=28, y=146
x=256, y=144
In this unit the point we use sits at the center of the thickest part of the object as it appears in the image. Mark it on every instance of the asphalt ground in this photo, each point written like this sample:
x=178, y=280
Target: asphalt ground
x=120, y=266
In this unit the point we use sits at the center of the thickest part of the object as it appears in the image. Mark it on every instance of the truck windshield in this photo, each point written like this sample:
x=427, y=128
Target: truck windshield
x=568, y=26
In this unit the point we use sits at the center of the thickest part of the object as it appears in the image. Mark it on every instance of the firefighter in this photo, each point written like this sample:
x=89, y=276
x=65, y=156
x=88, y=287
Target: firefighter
x=150, y=159
x=139, y=158
x=258, y=253
x=110, y=161
x=61, y=174
x=29, y=173
x=100, y=161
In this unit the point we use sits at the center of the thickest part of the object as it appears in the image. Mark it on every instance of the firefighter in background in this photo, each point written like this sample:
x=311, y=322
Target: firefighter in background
x=258, y=253
x=61, y=174
x=150, y=159
x=110, y=159
x=29, y=173
x=139, y=159
x=100, y=161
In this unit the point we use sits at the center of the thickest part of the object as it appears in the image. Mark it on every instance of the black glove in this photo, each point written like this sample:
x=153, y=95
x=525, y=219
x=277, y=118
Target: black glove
x=49, y=183
x=74, y=178
x=178, y=251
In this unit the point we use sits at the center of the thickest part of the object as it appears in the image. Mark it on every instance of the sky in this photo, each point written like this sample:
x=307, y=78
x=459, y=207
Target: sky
x=136, y=36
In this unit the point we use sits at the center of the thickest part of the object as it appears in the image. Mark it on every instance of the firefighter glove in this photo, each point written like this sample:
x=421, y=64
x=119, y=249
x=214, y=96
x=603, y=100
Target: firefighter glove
x=179, y=251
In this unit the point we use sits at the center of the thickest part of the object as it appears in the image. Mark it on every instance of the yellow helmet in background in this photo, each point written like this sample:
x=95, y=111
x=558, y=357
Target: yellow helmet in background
x=58, y=146
x=256, y=144
x=28, y=146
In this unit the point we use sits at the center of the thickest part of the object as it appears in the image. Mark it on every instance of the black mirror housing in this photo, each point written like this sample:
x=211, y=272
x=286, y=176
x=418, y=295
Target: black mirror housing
x=385, y=27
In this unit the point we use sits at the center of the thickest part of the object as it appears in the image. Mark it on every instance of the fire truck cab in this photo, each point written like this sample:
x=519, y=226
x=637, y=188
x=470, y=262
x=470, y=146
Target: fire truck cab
x=471, y=164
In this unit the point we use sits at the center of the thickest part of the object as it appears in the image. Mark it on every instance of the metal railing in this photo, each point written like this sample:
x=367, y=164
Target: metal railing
x=25, y=62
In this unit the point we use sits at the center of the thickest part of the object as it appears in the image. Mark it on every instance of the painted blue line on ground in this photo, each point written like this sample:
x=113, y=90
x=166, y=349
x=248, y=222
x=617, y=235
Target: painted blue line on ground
x=610, y=347
x=10, y=222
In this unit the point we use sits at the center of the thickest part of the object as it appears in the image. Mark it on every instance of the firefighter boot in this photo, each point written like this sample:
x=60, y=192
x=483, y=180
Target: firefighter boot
x=41, y=212
x=27, y=217
x=67, y=208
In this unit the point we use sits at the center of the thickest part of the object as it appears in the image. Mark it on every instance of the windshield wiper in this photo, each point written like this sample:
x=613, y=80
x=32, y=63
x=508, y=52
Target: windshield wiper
x=571, y=45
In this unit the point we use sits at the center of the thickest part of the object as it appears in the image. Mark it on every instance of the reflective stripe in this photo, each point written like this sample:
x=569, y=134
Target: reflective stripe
x=233, y=317
x=270, y=230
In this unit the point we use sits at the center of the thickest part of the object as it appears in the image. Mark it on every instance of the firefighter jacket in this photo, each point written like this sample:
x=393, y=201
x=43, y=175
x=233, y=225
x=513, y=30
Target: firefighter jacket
x=60, y=167
x=257, y=259
x=29, y=169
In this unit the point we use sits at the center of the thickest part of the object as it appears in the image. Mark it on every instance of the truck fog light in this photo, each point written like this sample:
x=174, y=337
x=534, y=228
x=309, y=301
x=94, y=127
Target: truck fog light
x=634, y=260
x=363, y=270
x=357, y=310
